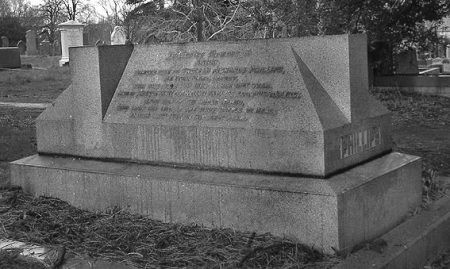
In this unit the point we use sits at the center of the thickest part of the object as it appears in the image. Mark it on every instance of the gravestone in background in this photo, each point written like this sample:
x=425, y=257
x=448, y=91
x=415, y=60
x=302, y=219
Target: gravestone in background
x=407, y=63
x=98, y=31
x=118, y=36
x=5, y=41
x=10, y=57
x=22, y=47
x=71, y=36
x=56, y=47
x=45, y=48
x=31, y=42
x=275, y=136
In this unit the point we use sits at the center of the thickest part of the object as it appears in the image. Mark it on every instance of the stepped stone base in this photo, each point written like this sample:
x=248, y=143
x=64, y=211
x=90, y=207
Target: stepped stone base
x=329, y=214
x=412, y=244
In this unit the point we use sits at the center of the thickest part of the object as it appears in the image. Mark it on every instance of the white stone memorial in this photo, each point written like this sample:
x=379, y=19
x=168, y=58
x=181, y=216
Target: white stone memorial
x=71, y=36
x=118, y=36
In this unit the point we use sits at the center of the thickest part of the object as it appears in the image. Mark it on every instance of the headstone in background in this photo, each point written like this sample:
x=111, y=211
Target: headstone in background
x=10, y=57
x=447, y=51
x=45, y=48
x=71, y=36
x=5, y=41
x=98, y=31
x=407, y=63
x=31, y=42
x=56, y=47
x=22, y=47
x=446, y=65
x=85, y=39
x=380, y=60
x=118, y=36
x=438, y=62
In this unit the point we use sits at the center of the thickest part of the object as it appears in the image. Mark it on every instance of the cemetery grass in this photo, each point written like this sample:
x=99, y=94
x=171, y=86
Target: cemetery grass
x=42, y=83
x=421, y=124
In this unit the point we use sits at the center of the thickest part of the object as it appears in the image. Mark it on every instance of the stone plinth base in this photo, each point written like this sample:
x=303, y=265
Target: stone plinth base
x=335, y=213
x=63, y=61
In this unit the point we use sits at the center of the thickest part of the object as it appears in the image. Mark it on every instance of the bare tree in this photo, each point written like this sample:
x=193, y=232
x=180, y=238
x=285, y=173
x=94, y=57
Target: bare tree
x=115, y=10
x=5, y=8
x=86, y=13
x=71, y=8
x=19, y=7
x=188, y=20
x=51, y=12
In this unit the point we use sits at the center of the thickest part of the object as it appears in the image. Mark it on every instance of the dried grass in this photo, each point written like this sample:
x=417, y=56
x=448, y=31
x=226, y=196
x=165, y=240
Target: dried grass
x=136, y=240
x=11, y=259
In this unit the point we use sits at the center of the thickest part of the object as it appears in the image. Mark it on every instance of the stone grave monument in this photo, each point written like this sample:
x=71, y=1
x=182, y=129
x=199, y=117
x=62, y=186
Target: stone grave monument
x=407, y=63
x=118, y=36
x=277, y=135
x=56, y=48
x=31, y=42
x=22, y=47
x=5, y=41
x=10, y=58
x=45, y=48
x=71, y=36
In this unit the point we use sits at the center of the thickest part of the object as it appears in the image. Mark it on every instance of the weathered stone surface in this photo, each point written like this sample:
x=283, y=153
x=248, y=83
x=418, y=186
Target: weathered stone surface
x=45, y=48
x=407, y=63
x=10, y=57
x=283, y=107
x=340, y=212
x=5, y=41
x=22, y=47
x=31, y=42
x=118, y=36
x=288, y=106
x=71, y=36
x=412, y=244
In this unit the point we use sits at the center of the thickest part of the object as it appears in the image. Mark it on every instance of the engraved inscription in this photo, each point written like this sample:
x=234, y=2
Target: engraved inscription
x=360, y=141
x=207, y=90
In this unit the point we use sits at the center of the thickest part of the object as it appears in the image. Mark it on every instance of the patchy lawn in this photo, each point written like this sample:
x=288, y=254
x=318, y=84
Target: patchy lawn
x=43, y=83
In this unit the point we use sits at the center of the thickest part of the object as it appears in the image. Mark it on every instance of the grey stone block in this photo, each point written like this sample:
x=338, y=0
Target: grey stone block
x=297, y=106
x=336, y=213
x=10, y=57
x=412, y=244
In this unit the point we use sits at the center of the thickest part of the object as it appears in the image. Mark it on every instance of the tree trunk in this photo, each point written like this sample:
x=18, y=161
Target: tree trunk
x=198, y=19
x=199, y=26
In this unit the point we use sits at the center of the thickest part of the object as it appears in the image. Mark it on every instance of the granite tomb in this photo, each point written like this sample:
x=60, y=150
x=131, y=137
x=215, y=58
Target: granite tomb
x=277, y=136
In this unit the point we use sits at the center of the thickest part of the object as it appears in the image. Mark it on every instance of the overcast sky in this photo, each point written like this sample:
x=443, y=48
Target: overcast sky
x=98, y=8
x=36, y=2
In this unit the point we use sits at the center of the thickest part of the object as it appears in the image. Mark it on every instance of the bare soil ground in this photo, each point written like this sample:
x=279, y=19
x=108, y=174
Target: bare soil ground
x=421, y=126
